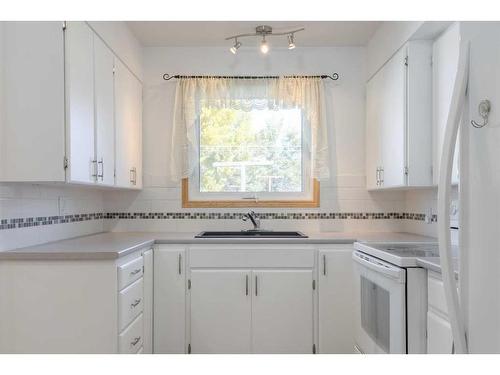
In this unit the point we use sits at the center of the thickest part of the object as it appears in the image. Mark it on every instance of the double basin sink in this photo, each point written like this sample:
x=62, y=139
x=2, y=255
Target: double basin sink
x=251, y=234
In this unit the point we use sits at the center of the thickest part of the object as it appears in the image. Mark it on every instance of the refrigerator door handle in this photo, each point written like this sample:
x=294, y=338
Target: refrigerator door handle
x=444, y=193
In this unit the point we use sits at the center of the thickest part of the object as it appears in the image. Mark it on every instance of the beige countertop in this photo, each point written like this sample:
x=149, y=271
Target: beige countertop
x=434, y=264
x=113, y=245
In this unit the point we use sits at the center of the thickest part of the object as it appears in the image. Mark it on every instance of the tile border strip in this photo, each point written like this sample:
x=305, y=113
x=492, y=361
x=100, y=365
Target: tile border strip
x=26, y=222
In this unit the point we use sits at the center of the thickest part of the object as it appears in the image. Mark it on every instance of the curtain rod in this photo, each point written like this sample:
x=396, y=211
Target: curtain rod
x=333, y=77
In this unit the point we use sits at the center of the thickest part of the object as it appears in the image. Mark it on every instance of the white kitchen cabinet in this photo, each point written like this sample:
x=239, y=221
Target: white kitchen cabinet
x=251, y=299
x=59, y=125
x=444, y=67
x=104, y=112
x=439, y=335
x=170, y=299
x=336, y=302
x=128, y=117
x=32, y=146
x=398, y=123
x=75, y=305
x=220, y=311
x=80, y=124
x=148, y=264
x=282, y=311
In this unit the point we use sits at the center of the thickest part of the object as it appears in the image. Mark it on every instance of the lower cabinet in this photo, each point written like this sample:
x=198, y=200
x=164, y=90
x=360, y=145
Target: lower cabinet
x=282, y=311
x=439, y=335
x=251, y=311
x=77, y=306
x=251, y=299
x=220, y=311
x=336, y=300
x=170, y=299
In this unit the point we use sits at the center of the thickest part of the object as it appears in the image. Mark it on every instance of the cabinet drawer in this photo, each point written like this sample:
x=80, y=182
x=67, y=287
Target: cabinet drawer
x=130, y=303
x=130, y=340
x=436, y=297
x=129, y=272
x=251, y=257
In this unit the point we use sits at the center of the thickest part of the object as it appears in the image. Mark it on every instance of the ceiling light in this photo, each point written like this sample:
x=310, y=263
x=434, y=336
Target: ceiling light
x=265, y=31
x=291, y=42
x=264, y=47
x=234, y=48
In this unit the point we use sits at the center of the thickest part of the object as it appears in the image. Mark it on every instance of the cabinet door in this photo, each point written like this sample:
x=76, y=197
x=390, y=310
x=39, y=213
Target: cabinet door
x=170, y=300
x=80, y=102
x=32, y=145
x=444, y=66
x=336, y=302
x=128, y=117
x=393, y=120
x=220, y=311
x=373, y=103
x=282, y=311
x=439, y=336
x=104, y=112
x=147, y=314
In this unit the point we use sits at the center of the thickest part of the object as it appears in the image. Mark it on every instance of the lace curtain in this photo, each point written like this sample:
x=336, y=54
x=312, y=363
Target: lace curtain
x=192, y=94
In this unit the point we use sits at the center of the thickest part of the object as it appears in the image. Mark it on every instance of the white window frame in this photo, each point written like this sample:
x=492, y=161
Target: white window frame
x=307, y=193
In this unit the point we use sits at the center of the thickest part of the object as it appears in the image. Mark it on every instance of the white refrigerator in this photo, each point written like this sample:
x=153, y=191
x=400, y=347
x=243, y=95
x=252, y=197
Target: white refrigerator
x=474, y=309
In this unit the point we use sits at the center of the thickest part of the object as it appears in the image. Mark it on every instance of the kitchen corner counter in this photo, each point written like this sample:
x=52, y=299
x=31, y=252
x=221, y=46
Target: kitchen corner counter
x=434, y=264
x=113, y=245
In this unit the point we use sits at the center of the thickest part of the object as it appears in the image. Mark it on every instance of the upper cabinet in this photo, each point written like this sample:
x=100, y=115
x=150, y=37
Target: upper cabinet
x=128, y=112
x=399, y=120
x=444, y=67
x=63, y=117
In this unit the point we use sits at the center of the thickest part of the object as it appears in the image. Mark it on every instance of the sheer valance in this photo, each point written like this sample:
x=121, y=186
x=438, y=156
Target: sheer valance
x=306, y=93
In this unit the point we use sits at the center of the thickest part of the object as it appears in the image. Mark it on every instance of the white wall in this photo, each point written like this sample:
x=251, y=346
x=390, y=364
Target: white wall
x=388, y=38
x=344, y=193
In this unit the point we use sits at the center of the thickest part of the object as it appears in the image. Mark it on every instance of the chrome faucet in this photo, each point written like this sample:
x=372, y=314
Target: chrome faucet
x=252, y=216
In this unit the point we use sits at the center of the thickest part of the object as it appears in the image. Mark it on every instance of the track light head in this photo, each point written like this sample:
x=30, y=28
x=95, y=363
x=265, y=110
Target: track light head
x=264, y=47
x=291, y=41
x=234, y=48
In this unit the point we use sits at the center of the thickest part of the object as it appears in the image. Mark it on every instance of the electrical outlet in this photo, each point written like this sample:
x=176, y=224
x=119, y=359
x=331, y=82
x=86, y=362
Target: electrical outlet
x=428, y=215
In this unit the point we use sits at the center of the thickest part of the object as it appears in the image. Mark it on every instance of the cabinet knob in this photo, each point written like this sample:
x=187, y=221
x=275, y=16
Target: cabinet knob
x=135, y=303
x=135, y=341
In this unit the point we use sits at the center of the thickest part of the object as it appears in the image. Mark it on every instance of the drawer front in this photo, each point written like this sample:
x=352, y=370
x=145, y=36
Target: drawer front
x=130, y=340
x=129, y=272
x=436, y=297
x=257, y=257
x=130, y=303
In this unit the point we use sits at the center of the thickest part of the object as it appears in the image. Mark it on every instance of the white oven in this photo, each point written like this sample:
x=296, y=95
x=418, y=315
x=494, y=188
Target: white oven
x=391, y=293
x=381, y=311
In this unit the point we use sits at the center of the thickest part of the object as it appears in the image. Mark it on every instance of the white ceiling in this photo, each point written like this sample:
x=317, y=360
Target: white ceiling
x=213, y=33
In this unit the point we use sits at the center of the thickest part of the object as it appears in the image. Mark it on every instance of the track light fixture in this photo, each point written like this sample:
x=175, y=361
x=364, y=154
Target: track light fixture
x=264, y=47
x=291, y=42
x=234, y=48
x=265, y=31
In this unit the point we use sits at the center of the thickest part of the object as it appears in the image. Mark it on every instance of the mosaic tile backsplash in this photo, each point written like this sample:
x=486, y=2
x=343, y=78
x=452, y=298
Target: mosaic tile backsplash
x=16, y=223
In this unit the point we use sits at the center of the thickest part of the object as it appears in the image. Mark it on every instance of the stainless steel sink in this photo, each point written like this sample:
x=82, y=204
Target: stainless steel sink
x=251, y=234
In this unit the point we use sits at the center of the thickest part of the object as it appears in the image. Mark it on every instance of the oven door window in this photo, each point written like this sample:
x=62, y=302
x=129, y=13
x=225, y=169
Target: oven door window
x=375, y=313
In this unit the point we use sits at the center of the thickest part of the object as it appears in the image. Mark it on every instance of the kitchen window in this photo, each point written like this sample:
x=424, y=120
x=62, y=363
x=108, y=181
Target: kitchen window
x=244, y=147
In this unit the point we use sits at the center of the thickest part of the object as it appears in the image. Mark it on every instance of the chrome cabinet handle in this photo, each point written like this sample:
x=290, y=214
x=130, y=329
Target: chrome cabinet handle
x=135, y=303
x=246, y=285
x=377, y=176
x=381, y=176
x=324, y=264
x=101, y=175
x=133, y=176
x=256, y=286
x=135, y=341
x=180, y=261
x=93, y=162
x=135, y=272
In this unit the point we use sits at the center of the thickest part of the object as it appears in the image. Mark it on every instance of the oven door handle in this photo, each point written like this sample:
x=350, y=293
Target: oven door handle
x=378, y=266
